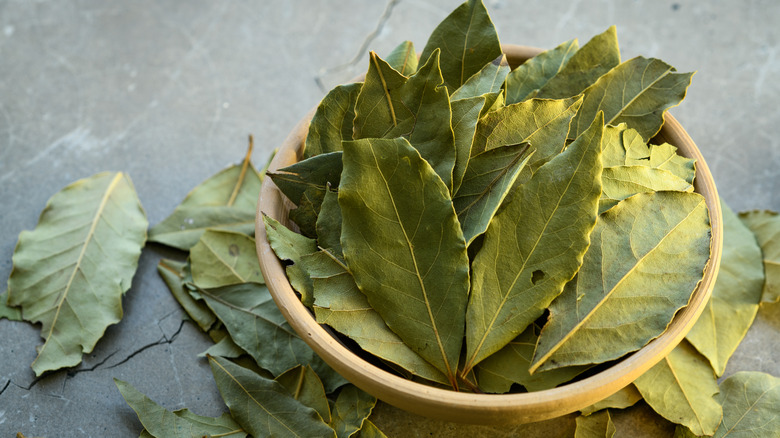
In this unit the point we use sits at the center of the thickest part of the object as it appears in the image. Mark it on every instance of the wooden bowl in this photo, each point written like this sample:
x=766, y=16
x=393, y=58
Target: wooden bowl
x=487, y=409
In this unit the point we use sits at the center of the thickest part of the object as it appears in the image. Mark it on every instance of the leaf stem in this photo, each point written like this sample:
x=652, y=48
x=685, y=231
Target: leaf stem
x=241, y=175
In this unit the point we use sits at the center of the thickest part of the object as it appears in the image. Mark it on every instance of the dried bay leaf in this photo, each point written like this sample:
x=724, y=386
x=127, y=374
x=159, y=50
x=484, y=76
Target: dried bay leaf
x=735, y=296
x=226, y=348
x=626, y=397
x=403, y=59
x=621, y=182
x=531, y=75
x=417, y=108
x=487, y=80
x=465, y=115
x=650, y=248
x=681, y=388
x=638, y=92
x=750, y=401
x=423, y=287
x=221, y=258
x=598, y=425
x=369, y=430
x=488, y=179
x=161, y=423
x=765, y=225
x=70, y=272
x=329, y=224
x=351, y=409
x=173, y=274
x=256, y=325
x=664, y=156
x=288, y=245
x=314, y=173
x=467, y=39
x=586, y=65
x=263, y=407
x=305, y=216
x=305, y=386
x=533, y=246
x=332, y=121
x=9, y=312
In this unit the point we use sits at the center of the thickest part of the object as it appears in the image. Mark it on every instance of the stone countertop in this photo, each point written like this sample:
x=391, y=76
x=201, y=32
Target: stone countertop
x=168, y=92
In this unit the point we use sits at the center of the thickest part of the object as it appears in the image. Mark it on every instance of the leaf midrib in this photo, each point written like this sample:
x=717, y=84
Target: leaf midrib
x=640, y=93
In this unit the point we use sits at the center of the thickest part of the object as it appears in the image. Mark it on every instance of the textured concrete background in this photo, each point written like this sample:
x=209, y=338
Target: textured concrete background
x=167, y=91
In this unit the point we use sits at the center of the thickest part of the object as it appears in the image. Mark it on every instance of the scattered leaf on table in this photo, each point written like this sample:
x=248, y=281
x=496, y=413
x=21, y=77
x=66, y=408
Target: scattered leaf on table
x=8, y=312
x=313, y=173
x=329, y=224
x=735, y=296
x=531, y=75
x=488, y=80
x=369, y=430
x=465, y=115
x=586, y=65
x=488, y=179
x=351, y=409
x=681, y=388
x=70, y=273
x=172, y=273
x=305, y=386
x=421, y=291
x=467, y=39
x=637, y=92
x=263, y=407
x=227, y=201
x=339, y=303
x=288, y=245
x=626, y=397
x=766, y=227
x=161, y=423
x=621, y=182
x=403, y=59
x=651, y=249
x=417, y=108
x=332, y=121
x=598, y=425
x=750, y=402
x=221, y=258
x=226, y=348
x=256, y=325
x=533, y=246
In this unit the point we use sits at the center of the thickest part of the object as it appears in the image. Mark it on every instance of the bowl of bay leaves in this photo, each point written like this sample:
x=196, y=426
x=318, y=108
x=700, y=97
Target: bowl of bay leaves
x=491, y=233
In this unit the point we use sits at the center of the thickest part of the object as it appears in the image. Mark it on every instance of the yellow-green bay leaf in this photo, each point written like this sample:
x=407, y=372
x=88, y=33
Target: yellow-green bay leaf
x=598, y=425
x=8, y=312
x=620, y=182
x=422, y=288
x=765, y=225
x=70, y=272
x=651, y=249
x=221, y=258
x=531, y=75
x=533, y=246
x=332, y=121
x=351, y=409
x=289, y=245
x=369, y=430
x=403, y=58
x=305, y=386
x=487, y=80
x=626, y=397
x=465, y=115
x=750, y=401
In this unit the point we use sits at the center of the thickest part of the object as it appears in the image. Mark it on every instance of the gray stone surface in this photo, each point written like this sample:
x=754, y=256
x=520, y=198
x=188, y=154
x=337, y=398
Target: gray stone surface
x=167, y=91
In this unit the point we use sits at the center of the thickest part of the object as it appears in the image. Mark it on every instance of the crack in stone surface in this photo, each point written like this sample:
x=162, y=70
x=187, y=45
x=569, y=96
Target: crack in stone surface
x=162, y=341
x=361, y=50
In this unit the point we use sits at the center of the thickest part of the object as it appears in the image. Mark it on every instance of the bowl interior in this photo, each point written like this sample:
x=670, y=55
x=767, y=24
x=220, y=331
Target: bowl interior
x=488, y=409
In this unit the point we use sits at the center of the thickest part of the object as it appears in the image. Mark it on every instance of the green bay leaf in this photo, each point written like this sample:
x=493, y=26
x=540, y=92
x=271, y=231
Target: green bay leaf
x=681, y=388
x=305, y=385
x=174, y=276
x=314, y=173
x=226, y=348
x=263, y=407
x=487, y=80
x=9, y=312
x=422, y=289
x=750, y=400
x=351, y=409
x=765, y=225
x=651, y=249
x=306, y=214
x=221, y=258
x=533, y=246
x=332, y=121
x=465, y=115
x=329, y=224
x=531, y=75
x=621, y=182
x=291, y=246
x=626, y=397
x=70, y=272
x=403, y=59
x=369, y=430
x=598, y=425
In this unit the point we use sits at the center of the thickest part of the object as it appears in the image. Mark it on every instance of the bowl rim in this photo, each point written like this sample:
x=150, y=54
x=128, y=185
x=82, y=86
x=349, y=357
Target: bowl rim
x=486, y=409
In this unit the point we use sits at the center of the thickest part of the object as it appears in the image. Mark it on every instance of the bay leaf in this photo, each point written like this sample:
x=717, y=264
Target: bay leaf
x=586, y=65
x=598, y=425
x=467, y=39
x=735, y=296
x=418, y=109
x=509, y=365
x=226, y=348
x=403, y=59
x=533, y=246
x=329, y=224
x=465, y=115
x=339, y=303
x=683, y=432
x=70, y=272
x=750, y=400
x=681, y=388
x=488, y=179
x=256, y=325
x=227, y=200
x=332, y=120
x=664, y=156
x=626, y=397
x=423, y=287
x=489, y=79
x=308, y=210
x=314, y=173
x=305, y=386
x=369, y=430
x=291, y=246
x=351, y=409
x=263, y=407
x=651, y=249
x=159, y=422
x=531, y=75
x=172, y=273
x=638, y=92
x=765, y=225
x=9, y=312
x=621, y=182
x=221, y=258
